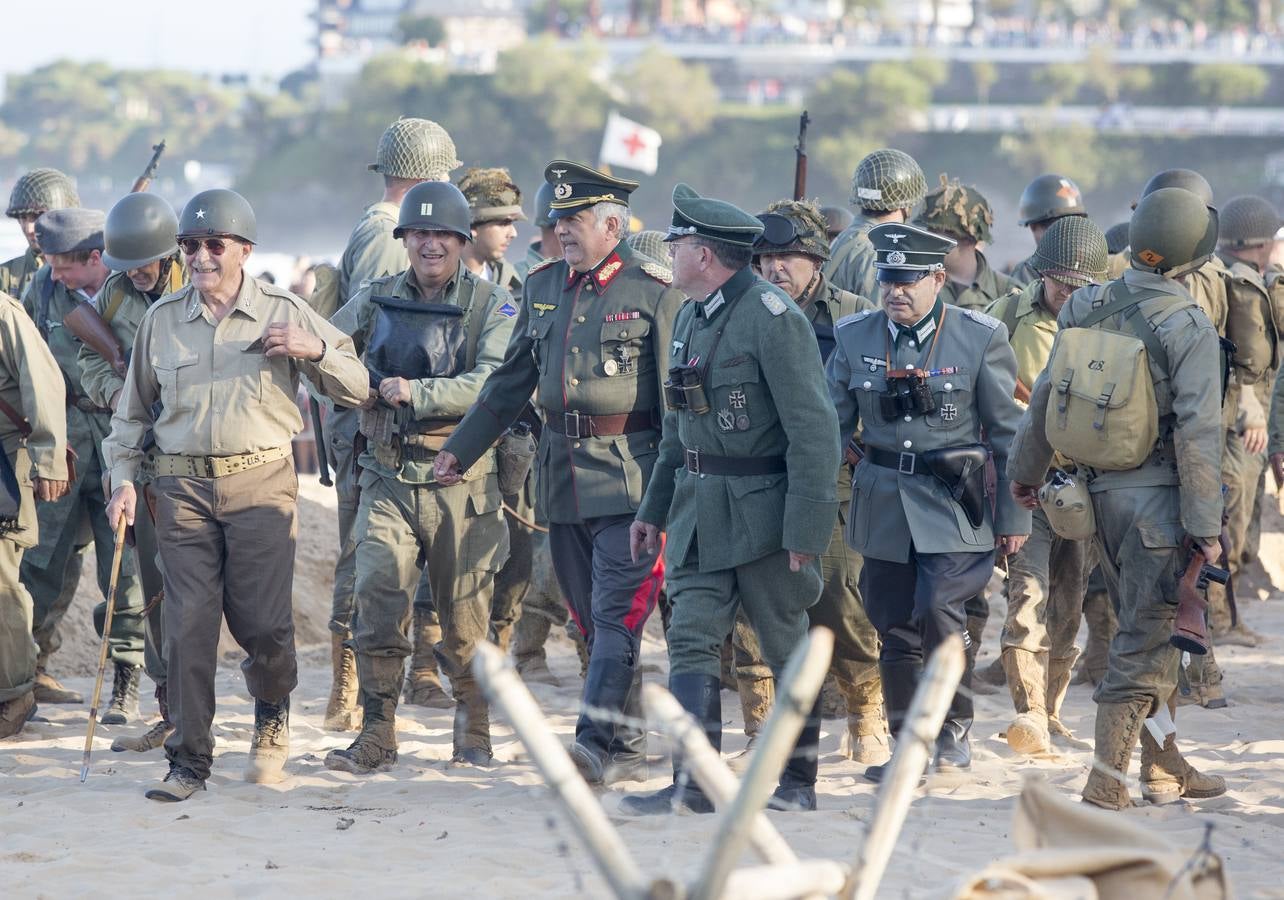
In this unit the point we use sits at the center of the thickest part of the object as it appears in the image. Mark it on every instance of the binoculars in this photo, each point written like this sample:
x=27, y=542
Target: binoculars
x=907, y=394
x=684, y=389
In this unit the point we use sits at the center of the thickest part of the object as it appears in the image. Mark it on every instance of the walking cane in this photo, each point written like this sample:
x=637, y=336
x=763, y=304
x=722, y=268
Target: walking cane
x=102, y=653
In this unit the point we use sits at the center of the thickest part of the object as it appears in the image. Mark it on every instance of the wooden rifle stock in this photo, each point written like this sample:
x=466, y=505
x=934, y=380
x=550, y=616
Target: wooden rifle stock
x=89, y=327
x=800, y=158
x=144, y=181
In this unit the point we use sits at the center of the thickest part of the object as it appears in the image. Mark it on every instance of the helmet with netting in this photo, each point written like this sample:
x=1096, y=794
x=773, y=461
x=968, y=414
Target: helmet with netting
x=888, y=179
x=958, y=210
x=1072, y=250
x=415, y=148
x=491, y=194
x=1186, y=179
x=793, y=226
x=1248, y=221
x=1049, y=197
x=41, y=190
x=650, y=244
x=1172, y=232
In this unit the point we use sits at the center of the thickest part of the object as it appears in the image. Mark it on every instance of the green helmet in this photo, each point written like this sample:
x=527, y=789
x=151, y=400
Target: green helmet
x=218, y=211
x=1248, y=221
x=41, y=190
x=492, y=196
x=1186, y=179
x=1117, y=237
x=958, y=210
x=886, y=180
x=1172, y=232
x=435, y=206
x=793, y=226
x=1049, y=197
x=543, y=197
x=140, y=229
x=1072, y=250
x=837, y=220
x=415, y=148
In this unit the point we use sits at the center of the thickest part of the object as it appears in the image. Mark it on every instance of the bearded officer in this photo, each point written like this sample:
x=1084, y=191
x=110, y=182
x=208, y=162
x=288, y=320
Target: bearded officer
x=223, y=357
x=593, y=337
x=743, y=485
x=142, y=252
x=1044, y=200
x=34, y=194
x=922, y=379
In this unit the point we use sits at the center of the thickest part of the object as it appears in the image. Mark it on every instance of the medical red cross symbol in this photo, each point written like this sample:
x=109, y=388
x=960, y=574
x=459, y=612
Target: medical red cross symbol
x=635, y=143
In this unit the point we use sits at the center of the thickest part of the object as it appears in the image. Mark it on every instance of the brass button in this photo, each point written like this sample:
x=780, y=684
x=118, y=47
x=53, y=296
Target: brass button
x=908, y=444
x=577, y=445
x=575, y=349
x=579, y=319
x=624, y=334
x=576, y=381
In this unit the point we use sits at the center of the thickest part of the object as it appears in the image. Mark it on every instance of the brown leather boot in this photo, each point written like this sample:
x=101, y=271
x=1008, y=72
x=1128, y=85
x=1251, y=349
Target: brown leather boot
x=423, y=681
x=1028, y=683
x=15, y=713
x=1166, y=777
x=342, y=712
x=375, y=749
x=153, y=737
x=1059, y=671
x=1117, y=728
x=866, y=728
x=49, y=690
x=756, y=697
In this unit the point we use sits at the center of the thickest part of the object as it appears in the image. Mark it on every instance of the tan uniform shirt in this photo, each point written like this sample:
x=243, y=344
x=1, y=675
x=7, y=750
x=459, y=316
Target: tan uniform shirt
x=220, y=395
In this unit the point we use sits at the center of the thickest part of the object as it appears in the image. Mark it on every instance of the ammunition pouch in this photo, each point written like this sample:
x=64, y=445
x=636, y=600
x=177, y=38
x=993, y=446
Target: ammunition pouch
x=514, y=454
x=962, y=471
x=1068, y=506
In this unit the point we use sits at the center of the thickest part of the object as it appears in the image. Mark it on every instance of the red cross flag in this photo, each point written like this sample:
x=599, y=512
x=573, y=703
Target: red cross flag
x=628, y=144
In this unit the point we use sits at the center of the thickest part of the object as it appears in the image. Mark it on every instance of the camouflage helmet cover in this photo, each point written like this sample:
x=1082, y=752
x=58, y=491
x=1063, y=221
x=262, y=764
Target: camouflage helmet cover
x=1072, y=250
x=435, y=206
x=40, y=190
x=218, y=211
x=141, y=228
x=417, y=149
x=1248, y=221
x=1172, y=232
x=809, y=230
x=491, y=195
x=888, y=179
x=1049, y=197
x=957, y=209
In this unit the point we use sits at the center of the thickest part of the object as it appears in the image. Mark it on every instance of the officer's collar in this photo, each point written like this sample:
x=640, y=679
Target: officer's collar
x=732, y=288
x=921, y=330
x=445, y=294
x=244, y=299
x=605, y=271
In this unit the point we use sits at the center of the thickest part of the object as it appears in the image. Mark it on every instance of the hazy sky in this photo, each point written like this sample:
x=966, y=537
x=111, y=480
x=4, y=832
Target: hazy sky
x=262, y=37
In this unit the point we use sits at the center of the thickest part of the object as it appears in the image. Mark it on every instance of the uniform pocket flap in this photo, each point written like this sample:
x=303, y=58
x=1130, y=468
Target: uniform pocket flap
x=1156, y=535
x=540, y=326
x=484, y=499
x=867, y=381
x=172, y=361
x=743, y=372
x=629, y=330
x=743, y=485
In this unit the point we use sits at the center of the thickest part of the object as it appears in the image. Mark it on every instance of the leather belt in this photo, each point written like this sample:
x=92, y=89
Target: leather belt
x=213, y=466
x=904, y=462
x=700, y=463
x=579, y=425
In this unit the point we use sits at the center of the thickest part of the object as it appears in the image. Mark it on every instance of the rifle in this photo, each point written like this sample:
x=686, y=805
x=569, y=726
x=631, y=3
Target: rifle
x=1190, y=632
x=800, y=158
x=318, y=437
x=90, y=329
x=144, y=181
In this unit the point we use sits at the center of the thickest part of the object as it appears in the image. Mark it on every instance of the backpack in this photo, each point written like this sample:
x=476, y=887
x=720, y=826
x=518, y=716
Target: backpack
x=1102, y=412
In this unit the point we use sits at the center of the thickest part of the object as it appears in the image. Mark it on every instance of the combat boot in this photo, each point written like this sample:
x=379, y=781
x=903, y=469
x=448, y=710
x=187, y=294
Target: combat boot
x=342, y=713
x=179, y=784
x=1058, y=683
x=866, y=730
x=626, y=760
x=796, y=791
x=270, y=746
x=1028, y=682
x=953, y=749
x=1099, y=614
x=1166, y=777
x=530, y=634
x=899, y=681
x=49, y=690
x=375, y=749
x=699, y=695
x=756, y=697
x=606, y=691
x=124, y=696
x=154, y=736
x=423, y=681
x=15, y=713
x=471, y=735
x=1117, y=728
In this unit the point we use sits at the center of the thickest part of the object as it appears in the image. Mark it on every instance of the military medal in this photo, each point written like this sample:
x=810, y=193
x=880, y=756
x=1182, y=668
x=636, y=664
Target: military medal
x=742, y=423
x=626, y=360
x=949, y=412
x=725, y=421
x=736, y=399
x=611, y=367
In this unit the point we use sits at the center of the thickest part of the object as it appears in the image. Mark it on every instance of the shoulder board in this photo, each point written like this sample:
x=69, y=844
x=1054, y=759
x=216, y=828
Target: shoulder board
x=657, y=271
x=180, y=294
x=981, y=318
x=854, y=317
x=542, y=265
x=774, y=304
x=276, y=290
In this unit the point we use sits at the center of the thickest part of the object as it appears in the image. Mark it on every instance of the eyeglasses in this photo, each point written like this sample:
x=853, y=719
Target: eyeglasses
x=777, y=229
x=192, y=246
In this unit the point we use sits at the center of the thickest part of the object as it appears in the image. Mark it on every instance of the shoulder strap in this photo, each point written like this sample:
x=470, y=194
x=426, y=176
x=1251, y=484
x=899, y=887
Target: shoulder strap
x=114, y=302
x=42, y=305
x=471, y=335
x=24, y=428
x=1128, y=304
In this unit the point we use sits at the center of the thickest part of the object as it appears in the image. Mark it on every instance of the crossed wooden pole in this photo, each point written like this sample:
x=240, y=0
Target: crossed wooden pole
x=740, y=804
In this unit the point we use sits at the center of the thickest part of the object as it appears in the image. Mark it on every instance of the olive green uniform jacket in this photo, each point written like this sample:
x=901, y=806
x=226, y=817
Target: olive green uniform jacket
x=572, y=332
x=766, y=392
x=989, y=285
x=851, y=260
x=16, y=274
x=372, y=251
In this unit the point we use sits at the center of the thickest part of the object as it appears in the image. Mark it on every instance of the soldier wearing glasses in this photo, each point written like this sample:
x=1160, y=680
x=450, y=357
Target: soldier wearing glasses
x=922, y=380
x=213, y=375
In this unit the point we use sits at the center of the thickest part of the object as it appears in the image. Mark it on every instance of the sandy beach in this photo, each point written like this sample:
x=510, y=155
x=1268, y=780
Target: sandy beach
x=425, y=829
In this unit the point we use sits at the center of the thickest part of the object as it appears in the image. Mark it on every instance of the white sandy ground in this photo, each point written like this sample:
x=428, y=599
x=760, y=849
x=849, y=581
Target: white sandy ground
x=423, y=829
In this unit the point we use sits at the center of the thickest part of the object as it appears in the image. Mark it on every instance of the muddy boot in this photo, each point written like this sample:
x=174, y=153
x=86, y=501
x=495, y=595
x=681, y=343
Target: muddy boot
x=866, y=730
x=152, y=737
x=756, y=697
x=123, y=705
x=1028, y=683
x=423, y=681
x=1058, y=683
x=48, y=689
x=529, y=637
x=1166, y=777
x=178, y=785
x=375, y=749
x=1204, y=678
x=342, y=712
x=1117, y=728
x=1102, y=625
x=15, y=713
x=471, y=735
x=270, y=746
x=699, y=695
x=993, y=673
x=832, y=704
x=1239, y=635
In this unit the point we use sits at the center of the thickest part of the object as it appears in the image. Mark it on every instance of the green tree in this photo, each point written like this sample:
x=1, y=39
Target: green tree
x=1228, y=84
x=426, y=29
x=1112, y=80
x=560, y=85
x=676, y=98
x=985, y=75
x=1061, y=81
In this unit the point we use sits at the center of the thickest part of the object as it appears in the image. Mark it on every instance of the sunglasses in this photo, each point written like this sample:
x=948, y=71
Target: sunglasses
x=777, y=230
x=192, y=246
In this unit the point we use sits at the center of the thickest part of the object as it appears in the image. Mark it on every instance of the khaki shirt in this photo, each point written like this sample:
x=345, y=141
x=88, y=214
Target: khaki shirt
x=30, y=383
x=1033, y=329
x=372, y=251
x=219, y=394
